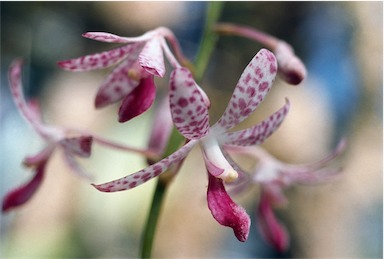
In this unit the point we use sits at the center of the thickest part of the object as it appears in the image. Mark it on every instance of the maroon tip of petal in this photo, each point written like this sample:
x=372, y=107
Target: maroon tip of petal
x=101, y=101
x=292, y=77
x=24, y=193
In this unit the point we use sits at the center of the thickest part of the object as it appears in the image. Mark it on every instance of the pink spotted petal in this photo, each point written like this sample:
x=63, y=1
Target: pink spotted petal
x=225, y=210
x=142, y=176
x=103, y=59
x=258, y=133
x=28, y=111
x=116, y=86
x=271, y=229
x=24, y=193
x=188, y=106
x=139, y=100
x=80, y=146
x=251, y=89
x=151, y=58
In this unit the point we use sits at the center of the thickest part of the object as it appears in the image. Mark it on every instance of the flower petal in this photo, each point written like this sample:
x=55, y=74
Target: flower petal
x=40, y=157
x=24, y=193
x=161, y=128
x=28, y=111
x=103, y=59
x=117, y=85
x=80, y=146
x=142, y=176
x=105, y=37
x=139, y=100
x=109, y=37
x=251, y=89
x=258, y=133
x=151, y=58
x=271, y=229
x=188, y=106
x=225, y=210
x=291, y=68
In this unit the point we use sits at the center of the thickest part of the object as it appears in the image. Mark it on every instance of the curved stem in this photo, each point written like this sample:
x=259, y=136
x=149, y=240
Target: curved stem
x=208, y=40
x=207, y=44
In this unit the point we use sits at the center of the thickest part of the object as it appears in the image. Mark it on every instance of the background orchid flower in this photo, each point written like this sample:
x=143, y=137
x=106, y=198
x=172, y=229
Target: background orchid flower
x=274, y=176
x=72, y=142
x=189, y=111
x=291, y=68
x=132, y=81
x=54, y=138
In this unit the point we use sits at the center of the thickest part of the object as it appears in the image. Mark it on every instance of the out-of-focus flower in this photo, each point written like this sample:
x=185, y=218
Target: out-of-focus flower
x=189, y=110
x=54, y=137
x=274, y=176
x=132, y=81
x=291, y=68
x=72, y=142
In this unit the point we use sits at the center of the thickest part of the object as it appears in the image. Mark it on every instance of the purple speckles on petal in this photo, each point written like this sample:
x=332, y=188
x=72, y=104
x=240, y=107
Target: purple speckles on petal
x=102, y=59
x=142, y=176
x=258, y=133
x=251, y=89
x=188, y=106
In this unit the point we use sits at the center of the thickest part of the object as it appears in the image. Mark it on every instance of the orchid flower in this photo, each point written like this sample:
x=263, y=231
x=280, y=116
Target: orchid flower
x=132, y=81
x=189, y=110
x=54, y=137
x=274, y=176
x=291, y=68
x=72, y=143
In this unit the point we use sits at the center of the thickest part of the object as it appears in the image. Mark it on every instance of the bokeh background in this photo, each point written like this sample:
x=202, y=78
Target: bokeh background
x=340, y=42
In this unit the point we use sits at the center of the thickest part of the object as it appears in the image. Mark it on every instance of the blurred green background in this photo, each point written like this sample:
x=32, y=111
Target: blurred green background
x=340, y=42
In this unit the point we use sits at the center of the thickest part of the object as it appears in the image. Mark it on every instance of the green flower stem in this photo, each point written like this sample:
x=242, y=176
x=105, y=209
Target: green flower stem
x=208, y=41
x=153, y=218
x=207, y=45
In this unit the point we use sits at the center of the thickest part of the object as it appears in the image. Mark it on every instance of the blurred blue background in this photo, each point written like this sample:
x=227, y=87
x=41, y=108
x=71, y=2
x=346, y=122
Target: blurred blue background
x=341, y=44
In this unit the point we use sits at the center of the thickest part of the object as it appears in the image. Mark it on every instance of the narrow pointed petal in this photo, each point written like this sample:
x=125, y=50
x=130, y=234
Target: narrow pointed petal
x=112, y=38
x=16, y=87
x=105, y=37
x=251, y=89
x=142, y=176
x=24, y=193
x=258, y=133
x=151, y=58
x=188, y=106
x=225, y=210
x=40, y=157
x=117, y=85
x=139, y=100
x=271, y=229
x=80, y=146
x=101, y=60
